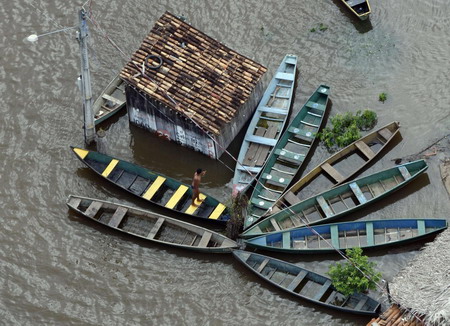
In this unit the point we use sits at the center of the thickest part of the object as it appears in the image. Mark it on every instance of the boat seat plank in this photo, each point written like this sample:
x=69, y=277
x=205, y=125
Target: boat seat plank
x=286, y=239
x=405, y=173
x=284, y=76
x=283, y=181
x=358, y=193
x=421, y=227
x=291, y=198
x=112, y=99
x=117, y=217
x=324, y=205
x=366, y=150
x=262, y=140
x=173, y=201
x=273, y=110
x=361, y=303
x=206, y=237
x=263, y=264
x=275, y=224
x=301, y=132
x=353, y=3
x=93, y=209
x=75, y=202
x=322, y=290
x=332, y=172
x=192, y=209
x=156, y=228
x=310, y=124
x=385, y=133
x=154, y=188
x=315, y=105
x=297, y=280
x=370, y=234
x=217, y=211
x=110, y=167
x=334, y=235
x=264, y=204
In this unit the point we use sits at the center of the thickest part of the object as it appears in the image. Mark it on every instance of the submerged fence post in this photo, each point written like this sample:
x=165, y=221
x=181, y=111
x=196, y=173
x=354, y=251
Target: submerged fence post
x=86, y=92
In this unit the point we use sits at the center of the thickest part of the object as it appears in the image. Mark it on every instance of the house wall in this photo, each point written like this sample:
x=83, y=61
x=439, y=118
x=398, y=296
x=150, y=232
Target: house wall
x=153, y=116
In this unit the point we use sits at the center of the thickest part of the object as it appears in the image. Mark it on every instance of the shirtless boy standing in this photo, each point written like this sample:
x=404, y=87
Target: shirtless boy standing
x=196, y=185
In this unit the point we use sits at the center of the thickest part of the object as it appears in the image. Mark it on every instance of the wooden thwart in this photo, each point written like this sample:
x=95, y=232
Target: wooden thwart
x=118, y=216
x=322, y=290
x=205, y=239
x=324, y=205
x=291, y=198
x=263, y=264
x=366, y=150
x=297, y=280
x=332, y=172
x=154, y=188
x=358, y=193
x=156, y=228
x=93, y=209
x=385, y=133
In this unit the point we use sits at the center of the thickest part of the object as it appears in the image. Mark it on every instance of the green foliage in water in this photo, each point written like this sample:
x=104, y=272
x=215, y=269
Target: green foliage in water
x=322, y=27
x=346, y=128
x=350, y=277
x=312, y=30
x=382, y=97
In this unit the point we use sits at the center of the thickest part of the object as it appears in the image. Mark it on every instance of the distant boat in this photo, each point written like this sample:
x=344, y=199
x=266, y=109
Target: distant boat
x=153, y=187
x=339, y=201
x=306, y=284
x=266, y=125
x=151, y=226
x=110, y=102
x=361, y=234
x=342, y=165
x=288, y=155
x=361, y=8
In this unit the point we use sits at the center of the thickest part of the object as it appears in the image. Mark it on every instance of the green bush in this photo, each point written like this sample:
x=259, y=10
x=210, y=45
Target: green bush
x=346, y=128
x=348, y=279
x=382, y=97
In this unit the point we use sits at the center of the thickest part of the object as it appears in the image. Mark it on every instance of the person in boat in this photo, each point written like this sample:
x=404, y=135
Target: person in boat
x=196, y=185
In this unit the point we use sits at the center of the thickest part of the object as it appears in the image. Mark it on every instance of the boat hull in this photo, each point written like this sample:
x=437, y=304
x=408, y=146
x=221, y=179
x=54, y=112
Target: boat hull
x=330, y=238
x=151, y=226
x=301, y=283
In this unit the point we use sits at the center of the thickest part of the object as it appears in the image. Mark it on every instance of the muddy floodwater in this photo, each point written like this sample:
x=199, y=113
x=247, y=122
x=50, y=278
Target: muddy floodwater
x=57, y=268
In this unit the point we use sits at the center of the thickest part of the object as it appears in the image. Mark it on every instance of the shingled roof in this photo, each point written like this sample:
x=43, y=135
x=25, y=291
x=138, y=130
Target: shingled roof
x=200, y=77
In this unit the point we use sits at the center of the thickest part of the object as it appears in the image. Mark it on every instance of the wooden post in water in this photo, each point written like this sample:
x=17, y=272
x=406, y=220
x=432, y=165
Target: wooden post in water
x=86, y=92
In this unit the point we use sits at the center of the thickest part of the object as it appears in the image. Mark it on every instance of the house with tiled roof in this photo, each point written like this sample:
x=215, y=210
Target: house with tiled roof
x=190, y=88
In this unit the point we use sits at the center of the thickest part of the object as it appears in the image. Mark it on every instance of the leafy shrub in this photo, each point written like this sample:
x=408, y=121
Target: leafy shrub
x=348, y=279
x=346, y=128
x=382, y=97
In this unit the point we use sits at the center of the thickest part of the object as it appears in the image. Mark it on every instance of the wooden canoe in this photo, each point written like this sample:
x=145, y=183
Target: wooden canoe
x=266, y=125
x=288, y=155
x=362, y=234
x=111, y=101
x=151, y=226
x=306, y=284
x=153, y=187
x=361, y=8
x=341, y=166
x=339, y=201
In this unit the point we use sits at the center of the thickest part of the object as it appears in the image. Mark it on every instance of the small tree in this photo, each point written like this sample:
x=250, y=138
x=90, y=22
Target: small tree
x=238, y=210
x=348, y=279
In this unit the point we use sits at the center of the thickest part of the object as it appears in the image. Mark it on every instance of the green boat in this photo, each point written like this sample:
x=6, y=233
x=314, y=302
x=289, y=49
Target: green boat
x=328, y=238
x=306, y=284
x=340, y=200
x=288, y=155
x=153, y=187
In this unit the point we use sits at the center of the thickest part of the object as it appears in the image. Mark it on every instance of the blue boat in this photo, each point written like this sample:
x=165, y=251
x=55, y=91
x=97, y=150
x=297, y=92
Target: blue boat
x=362, y=234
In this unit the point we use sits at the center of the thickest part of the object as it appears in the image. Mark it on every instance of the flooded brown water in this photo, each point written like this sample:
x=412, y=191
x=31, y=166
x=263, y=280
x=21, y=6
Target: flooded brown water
x=59, y=269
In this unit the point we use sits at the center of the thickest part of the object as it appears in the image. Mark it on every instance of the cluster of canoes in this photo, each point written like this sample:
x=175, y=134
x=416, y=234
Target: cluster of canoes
x=280, y=216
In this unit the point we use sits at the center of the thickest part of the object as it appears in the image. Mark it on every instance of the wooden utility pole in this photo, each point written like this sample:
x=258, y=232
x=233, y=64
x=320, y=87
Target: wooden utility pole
x=86, y=92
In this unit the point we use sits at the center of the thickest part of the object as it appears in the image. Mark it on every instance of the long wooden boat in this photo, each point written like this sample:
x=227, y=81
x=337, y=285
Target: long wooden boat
x=361, y=8
x=341, y=166
x=339, y=201
x=151, y=226
x=306, y=284
x=288, y=155
x=363, y=234
x=153, y=187
x=266, y=125
x=111, y=101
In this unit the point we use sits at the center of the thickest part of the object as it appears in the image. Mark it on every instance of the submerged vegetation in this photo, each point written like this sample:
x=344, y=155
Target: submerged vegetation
x=346, y=128
x=355, y=276
x=322, y=27
x=382, y=97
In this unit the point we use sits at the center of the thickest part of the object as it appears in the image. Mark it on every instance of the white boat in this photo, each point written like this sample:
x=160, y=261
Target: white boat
x=111, y=100
x=266, y=125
